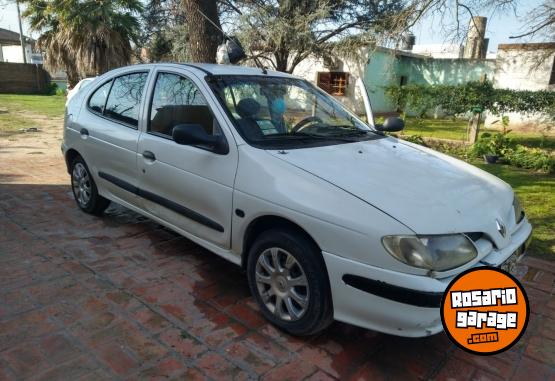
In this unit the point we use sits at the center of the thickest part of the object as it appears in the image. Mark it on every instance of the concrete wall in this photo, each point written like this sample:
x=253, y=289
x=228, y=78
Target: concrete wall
x=524, y=66
x=431, y=71
x=382, y=71
x=386, y=69
x=13, y=53
x=309, y=69
x=16, y=78
x=380, y=68
x=515, y=67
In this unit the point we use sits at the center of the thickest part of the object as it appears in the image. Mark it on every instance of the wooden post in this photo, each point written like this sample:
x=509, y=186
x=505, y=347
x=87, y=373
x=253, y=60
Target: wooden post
x=474, y=127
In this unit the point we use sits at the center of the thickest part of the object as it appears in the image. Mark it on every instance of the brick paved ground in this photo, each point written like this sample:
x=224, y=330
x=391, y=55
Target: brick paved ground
x=119, y=297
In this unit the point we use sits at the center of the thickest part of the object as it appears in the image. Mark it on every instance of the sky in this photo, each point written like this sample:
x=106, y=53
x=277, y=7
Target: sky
x=428, y=31
x=499, y=27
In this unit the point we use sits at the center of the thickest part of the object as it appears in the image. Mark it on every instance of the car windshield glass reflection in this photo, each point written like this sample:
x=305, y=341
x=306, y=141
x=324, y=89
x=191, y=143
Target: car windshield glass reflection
x=275, y=108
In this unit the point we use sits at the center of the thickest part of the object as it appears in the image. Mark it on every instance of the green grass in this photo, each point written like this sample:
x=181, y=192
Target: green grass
x=11, y=123
x=436, y=128
x=47, y=105
x=13, y=109
x=537, y=194
x=456, y=130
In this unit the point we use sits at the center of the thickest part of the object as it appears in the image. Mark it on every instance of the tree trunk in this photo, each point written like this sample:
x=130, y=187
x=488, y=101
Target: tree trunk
x=281, y=56
x=204, y=37
x=474, y=128
x=72, y=76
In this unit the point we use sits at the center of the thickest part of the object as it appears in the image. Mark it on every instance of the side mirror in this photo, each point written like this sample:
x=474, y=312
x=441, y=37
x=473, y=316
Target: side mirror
x=194, y=134
x=391, y=124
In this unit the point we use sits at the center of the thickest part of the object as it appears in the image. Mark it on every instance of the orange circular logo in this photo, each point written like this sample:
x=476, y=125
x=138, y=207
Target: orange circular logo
x=485, y=310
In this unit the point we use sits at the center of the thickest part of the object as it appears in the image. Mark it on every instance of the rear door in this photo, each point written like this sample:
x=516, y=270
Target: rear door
x=190, y=187
x=110, y=134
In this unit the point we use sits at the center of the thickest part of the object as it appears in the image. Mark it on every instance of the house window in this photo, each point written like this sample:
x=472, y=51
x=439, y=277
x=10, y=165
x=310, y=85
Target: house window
x=552, y=77
x=333, y=82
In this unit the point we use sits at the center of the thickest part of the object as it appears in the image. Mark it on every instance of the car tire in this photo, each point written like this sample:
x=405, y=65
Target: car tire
x=84, y=189
x=299, y=282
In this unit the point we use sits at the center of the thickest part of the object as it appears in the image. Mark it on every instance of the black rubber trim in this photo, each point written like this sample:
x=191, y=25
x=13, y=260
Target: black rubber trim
x=120, y=183
x=398, y=294
x=190, y=214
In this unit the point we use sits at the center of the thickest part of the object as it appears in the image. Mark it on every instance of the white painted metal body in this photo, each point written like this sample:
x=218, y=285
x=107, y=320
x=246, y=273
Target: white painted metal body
x=346, y=197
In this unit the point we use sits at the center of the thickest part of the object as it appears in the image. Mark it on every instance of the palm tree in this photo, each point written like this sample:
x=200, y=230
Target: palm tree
x=85, y=37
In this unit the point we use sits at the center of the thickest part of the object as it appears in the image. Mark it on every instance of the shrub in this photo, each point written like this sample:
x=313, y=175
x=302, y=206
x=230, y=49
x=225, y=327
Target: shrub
x=492, y=144
x=531, y=158
x=460, y=99
x=51, y=88
x=61, y=92
x=456, y=149
x=417, y=139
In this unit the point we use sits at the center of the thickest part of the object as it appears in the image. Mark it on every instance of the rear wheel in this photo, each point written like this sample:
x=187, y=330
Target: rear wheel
x=288, y=279
x=84, y=189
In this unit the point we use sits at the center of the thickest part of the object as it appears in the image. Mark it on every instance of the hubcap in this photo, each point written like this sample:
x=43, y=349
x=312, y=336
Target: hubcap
x=81, y=184
x=282, y=284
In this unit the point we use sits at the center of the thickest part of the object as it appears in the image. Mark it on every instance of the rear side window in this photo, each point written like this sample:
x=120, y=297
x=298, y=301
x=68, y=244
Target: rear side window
x=98, y=99
x=125, y=98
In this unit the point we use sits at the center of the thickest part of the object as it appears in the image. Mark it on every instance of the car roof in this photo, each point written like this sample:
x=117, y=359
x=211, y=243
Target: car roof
x=216, y=69
x=210, y=69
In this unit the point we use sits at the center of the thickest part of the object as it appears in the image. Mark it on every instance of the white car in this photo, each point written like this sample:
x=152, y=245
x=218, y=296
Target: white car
x=330, y=218
x=81, y=85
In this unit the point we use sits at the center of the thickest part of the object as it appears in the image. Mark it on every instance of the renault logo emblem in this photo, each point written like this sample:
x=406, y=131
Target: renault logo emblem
x=501, y=228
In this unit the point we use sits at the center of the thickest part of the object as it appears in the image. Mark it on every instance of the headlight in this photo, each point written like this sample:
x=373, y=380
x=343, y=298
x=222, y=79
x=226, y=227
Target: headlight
x=519, y=212
x=435, y=252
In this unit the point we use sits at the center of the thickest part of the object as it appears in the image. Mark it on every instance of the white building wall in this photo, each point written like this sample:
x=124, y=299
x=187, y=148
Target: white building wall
x=13, y=53
x=439, y=50
x=525, y=68
x=310, y=67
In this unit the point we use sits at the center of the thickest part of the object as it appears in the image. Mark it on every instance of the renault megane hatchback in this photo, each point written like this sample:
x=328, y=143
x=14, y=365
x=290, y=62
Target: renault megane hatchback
x=330, y=218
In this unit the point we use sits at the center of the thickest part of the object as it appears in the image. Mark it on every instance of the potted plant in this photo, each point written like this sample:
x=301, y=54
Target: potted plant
x=492, y=146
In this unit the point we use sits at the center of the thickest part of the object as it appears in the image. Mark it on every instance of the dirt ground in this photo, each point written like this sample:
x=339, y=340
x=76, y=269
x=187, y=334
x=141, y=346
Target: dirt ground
x=42, y=148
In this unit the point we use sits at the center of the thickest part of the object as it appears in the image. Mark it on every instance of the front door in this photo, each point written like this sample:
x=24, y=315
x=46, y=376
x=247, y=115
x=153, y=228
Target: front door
x=188, y=186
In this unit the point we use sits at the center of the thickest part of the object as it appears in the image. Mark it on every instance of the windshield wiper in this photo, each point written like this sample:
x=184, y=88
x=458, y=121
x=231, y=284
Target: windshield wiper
x=304, y=135
x=352, y=132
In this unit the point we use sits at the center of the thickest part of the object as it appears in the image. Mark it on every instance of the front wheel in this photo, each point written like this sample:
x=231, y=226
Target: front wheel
x=288, y=278
x=84, y=189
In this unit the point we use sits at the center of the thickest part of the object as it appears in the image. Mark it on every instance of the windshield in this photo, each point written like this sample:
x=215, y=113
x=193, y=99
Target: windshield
x=270, y=109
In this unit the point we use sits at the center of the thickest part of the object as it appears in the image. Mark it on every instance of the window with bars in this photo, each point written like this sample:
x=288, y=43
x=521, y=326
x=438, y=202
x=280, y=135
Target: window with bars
x=333, y=82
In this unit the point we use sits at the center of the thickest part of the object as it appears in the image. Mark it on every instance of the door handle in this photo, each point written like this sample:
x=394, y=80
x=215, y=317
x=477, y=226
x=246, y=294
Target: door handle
x=84, y=132
x=149, y=156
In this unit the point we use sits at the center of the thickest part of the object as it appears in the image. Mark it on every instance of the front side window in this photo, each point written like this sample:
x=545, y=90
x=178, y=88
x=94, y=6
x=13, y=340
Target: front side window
x=268, y=109
x=98, y=99
x=125, y=98
x=177, y=100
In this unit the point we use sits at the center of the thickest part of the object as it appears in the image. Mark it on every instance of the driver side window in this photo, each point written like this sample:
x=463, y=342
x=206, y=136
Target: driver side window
x=177, y=100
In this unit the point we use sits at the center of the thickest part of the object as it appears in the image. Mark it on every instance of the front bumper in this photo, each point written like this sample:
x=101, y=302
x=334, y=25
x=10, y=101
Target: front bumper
x=398, y=303
x=379, y=311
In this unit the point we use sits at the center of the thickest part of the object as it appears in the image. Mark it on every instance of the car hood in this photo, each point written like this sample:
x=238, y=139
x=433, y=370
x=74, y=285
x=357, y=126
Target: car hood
x=427, y=191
